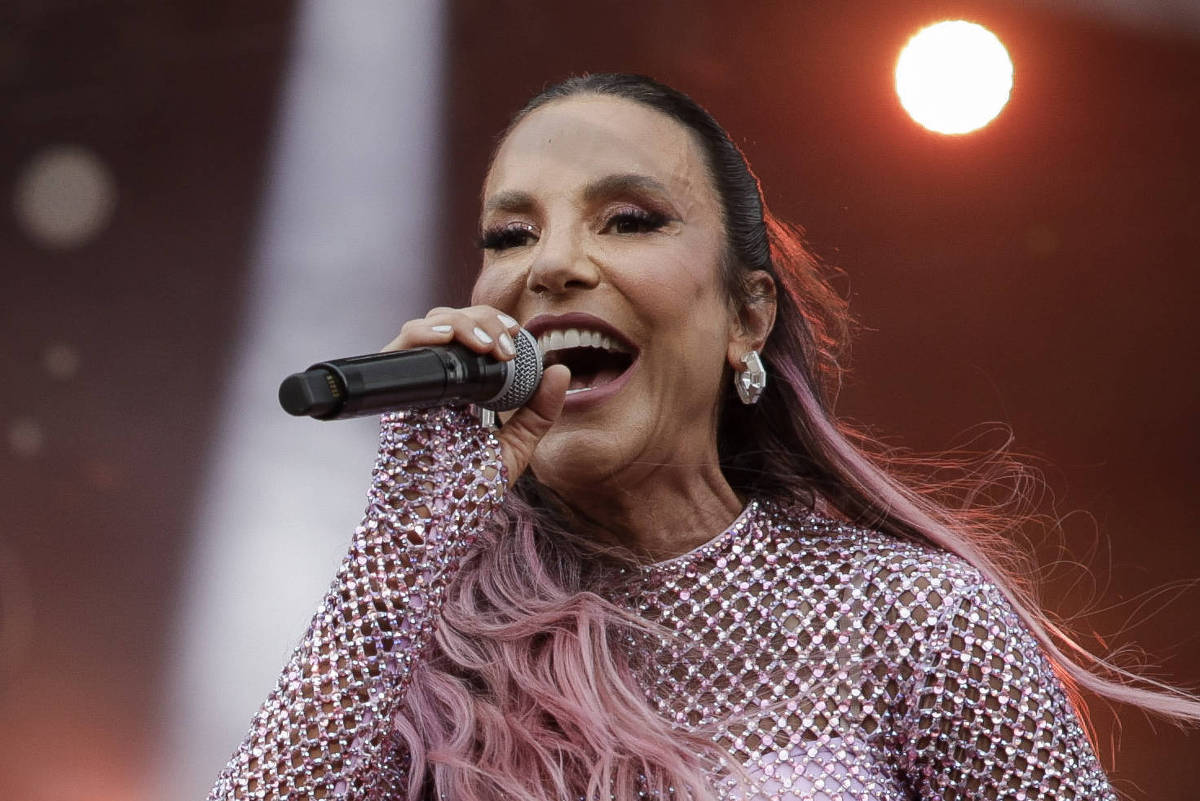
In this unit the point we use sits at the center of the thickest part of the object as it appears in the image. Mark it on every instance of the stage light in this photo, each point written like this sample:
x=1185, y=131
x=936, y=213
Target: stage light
x=25, y=437
x=954, y=77
x=64, y=196
x=61, y=361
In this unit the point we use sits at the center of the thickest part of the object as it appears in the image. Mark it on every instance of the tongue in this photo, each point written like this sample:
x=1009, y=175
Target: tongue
x=594, y=378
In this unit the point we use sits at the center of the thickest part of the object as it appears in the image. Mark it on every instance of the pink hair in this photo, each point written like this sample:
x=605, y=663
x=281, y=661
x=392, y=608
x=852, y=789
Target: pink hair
x=531, y=693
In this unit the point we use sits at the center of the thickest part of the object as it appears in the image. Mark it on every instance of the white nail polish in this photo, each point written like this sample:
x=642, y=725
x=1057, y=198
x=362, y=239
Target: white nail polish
x=441, y=329
x=507, y=321
x=507, y=345
x=482, y=335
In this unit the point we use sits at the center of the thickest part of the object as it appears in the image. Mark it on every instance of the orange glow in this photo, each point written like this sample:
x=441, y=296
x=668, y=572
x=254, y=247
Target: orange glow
x=954, y=77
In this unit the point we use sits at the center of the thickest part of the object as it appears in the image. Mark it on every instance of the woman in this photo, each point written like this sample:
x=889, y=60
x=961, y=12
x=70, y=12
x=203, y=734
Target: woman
x=672, y=574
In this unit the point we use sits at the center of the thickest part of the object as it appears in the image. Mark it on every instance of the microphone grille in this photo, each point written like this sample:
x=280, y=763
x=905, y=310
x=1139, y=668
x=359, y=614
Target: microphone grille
x=526, y=372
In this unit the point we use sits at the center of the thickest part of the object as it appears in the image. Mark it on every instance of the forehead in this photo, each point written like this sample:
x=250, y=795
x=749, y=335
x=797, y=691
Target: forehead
x=582, y=138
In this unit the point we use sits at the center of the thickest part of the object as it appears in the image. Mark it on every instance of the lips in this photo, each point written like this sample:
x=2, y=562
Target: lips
x=599, y=356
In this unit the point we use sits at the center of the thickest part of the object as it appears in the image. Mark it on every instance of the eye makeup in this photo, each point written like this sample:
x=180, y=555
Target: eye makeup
x=506, y=235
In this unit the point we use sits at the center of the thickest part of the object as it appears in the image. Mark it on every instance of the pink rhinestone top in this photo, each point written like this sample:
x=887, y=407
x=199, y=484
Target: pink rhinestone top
x=835, y=663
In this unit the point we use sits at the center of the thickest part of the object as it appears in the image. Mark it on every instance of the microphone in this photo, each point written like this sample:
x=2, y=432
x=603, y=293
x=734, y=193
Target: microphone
x=438, y=375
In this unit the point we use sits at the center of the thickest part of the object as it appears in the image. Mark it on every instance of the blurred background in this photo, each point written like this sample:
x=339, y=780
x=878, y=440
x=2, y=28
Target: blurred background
x=200, y=197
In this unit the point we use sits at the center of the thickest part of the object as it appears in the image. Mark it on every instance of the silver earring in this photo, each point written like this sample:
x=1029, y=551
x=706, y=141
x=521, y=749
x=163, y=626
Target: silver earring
x=751, y=382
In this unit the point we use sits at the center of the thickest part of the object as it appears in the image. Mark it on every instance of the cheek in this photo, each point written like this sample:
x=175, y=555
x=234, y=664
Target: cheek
x=666, y=283
x=692, y=270
x=495, y=287
x=685, y=296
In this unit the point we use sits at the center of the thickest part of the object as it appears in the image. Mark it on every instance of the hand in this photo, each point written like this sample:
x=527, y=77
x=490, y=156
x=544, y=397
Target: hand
x=483, y=329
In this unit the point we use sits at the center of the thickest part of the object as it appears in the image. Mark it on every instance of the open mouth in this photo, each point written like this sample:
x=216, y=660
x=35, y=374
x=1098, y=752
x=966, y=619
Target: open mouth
x=595, y=358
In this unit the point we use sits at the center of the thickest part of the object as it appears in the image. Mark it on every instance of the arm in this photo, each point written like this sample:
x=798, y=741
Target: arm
x=988, y=718
x=323, y=732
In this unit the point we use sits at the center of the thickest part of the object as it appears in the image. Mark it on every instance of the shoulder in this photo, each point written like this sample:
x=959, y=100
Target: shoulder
x=900, y=573
x=910, y=604
x=974, y=698
x=926, y=609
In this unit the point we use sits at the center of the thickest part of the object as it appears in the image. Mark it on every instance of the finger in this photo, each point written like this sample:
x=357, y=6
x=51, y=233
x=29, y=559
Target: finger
x=510, y=325
x=497, y=326
x=466, y=329
x=523, y=431
x=481, y=328
x=484, y=313
x=420, y=333
x=484, y=329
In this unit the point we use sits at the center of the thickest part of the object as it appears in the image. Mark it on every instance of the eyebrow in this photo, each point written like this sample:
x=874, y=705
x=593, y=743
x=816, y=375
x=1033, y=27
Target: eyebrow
x=510, y=200
x=514, y=200
x=621, y=184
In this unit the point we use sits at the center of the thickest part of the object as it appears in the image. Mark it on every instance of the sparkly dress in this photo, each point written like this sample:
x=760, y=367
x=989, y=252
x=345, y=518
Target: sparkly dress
x=837, y=664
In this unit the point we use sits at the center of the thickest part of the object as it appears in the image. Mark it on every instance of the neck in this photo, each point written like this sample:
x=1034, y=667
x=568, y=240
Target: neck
x=662, y=512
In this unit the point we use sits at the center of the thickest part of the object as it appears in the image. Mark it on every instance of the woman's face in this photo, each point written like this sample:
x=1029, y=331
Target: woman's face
x=602, y=235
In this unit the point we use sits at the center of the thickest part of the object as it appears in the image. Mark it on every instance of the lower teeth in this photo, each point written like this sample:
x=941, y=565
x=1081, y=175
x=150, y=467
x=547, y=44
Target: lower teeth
x=580, y=389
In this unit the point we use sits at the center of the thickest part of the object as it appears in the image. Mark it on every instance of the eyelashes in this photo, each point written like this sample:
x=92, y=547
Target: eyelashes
x=624, y=220
x=506, y=236
x=634, y=220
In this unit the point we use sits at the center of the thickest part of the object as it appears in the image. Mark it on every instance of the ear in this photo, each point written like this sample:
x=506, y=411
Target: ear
x=753, y=322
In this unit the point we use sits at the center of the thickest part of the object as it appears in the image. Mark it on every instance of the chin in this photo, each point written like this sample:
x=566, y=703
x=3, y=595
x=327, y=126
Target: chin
x=572, y=460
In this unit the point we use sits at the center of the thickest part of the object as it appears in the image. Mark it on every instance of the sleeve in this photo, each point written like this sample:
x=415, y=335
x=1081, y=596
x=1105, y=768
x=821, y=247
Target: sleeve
x=988, y=718
x=324, y=731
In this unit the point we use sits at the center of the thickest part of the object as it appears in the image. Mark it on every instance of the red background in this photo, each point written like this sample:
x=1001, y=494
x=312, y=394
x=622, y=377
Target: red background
x=1041, y=273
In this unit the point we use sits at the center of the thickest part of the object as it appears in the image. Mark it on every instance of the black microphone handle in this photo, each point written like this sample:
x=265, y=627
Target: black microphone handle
x=439, y=375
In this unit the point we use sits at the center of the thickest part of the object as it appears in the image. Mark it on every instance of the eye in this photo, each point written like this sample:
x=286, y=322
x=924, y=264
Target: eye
x=634, y=220
x=508, y=235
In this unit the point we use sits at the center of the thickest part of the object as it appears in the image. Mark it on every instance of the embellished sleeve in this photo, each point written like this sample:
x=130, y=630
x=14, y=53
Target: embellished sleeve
x=324, y=731
x=988, y=718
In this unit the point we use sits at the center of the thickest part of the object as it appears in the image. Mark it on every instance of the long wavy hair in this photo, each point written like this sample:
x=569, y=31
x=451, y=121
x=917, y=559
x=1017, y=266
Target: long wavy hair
x=529, y=692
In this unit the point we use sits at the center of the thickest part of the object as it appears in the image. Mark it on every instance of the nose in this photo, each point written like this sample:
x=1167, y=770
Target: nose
x=561, y=264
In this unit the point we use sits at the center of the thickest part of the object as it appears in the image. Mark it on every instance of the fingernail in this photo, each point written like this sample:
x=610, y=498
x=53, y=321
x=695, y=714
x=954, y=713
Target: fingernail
x=482, y=335
x=506, y=345
x=442, y=329
x=507, y=321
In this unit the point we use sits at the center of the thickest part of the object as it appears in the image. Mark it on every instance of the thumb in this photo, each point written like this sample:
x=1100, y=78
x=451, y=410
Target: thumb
x=521, y=433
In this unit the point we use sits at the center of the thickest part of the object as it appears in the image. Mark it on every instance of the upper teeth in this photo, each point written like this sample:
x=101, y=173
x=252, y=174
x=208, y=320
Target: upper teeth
x=578, y=338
